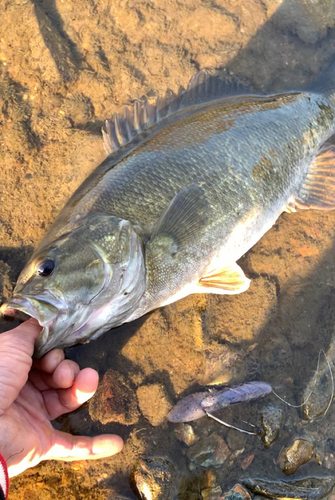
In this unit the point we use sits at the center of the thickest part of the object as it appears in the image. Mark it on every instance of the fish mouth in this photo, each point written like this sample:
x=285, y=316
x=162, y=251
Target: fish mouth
x=42, y=310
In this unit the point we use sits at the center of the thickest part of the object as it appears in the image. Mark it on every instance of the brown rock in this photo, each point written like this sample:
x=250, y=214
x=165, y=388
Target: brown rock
x=213, y=493
x=272, y=419
x=299, y=453
x=154, y=403
x=154, y=478
x=211, y=451
x=236, y=493
x=185, y=434
x=114, y=401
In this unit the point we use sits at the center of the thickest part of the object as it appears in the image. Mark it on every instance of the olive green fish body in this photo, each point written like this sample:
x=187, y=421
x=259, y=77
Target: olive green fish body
x=248, y=155
x=170, y=210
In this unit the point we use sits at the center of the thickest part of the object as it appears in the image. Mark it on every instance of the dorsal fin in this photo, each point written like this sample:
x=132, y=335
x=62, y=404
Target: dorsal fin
x=130, y=122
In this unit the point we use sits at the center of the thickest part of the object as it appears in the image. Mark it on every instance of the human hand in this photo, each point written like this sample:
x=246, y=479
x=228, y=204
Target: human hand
x=34, y=393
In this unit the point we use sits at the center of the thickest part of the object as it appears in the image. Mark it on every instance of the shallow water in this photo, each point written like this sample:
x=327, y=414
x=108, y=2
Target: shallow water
x=65, y=67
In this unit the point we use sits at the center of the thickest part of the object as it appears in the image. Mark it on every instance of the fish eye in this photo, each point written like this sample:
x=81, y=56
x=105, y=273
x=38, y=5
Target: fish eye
x=45, y=267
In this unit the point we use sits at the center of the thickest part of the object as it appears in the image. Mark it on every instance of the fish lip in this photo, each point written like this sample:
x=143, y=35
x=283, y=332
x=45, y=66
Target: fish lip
x=25, y=305
x=23, y=308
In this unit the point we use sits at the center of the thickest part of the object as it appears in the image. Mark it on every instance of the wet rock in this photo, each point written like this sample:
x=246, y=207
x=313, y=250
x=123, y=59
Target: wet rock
x=310, y=488
x=329, y=461
x=318, y=393
x=191, y=487
x=299, y=453
x=185, y=434
x=154, y=403
x=154, y=478
x=208, y=479
x=114, y=401
x=236, y=493
x=211, y=451
x=213, y=493
x=272, y=419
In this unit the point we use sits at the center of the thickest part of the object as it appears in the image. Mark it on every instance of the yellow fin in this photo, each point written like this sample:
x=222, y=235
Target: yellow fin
x=318, y=189
x=228, y=280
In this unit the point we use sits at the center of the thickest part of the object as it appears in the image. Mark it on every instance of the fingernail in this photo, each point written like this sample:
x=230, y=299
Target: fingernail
x=82, y=397
x=107, y=445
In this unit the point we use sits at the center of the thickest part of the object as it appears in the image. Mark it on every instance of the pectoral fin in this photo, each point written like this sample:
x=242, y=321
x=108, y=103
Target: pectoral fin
x=180, y=224
x=228, y=280
x=318, y=189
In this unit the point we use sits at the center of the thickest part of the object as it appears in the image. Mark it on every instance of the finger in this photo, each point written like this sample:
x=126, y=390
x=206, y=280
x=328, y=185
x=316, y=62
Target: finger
x=62, y=378
x=62, y=401
x=16, y=347
x=64, y=375
x=67, y=447
x=49, y=362
x=21, y=340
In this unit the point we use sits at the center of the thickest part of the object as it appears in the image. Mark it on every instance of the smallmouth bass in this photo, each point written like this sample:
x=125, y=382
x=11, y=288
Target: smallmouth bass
x=190, y=184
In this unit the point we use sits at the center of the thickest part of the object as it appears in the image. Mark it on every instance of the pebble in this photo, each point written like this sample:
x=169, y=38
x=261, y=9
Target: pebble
x=185, y=434
x=238, y=492
x=211, y=493
x=318, y=393
x=272, y=419
x=299, y=453
x=154, y=478
x=211, y=451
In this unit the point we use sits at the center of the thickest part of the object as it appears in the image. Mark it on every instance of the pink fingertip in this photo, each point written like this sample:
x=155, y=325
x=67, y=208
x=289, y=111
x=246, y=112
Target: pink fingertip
x=107, y=445
x=85, y=385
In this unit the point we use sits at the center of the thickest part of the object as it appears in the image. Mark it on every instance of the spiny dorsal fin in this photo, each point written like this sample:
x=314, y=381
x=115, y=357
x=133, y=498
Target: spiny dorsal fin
x=130, y=122
x=318, y=189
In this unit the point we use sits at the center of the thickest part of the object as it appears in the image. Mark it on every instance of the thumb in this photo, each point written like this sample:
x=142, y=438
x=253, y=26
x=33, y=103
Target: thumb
x=68, y=448
x=22, y=338
x=16, y=350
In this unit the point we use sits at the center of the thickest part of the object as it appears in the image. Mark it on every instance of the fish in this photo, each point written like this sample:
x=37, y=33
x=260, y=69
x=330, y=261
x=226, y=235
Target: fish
x=190, y=184
x=196, y=405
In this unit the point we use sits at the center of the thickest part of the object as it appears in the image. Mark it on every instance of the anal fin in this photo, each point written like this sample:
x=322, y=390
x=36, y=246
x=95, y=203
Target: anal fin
x=228, y=280
x=318, y=189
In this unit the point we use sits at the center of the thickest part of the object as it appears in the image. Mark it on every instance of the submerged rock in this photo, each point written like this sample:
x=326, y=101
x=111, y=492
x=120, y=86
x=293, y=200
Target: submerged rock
x=114, y=401
x=154, y=403
x=154, y=478
x=185, y=434
x=272, y=419
x=299, y=453
x=237, y=493
x=211, y=451
x=319, y=392
x=213, y=493
x=309, y=488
